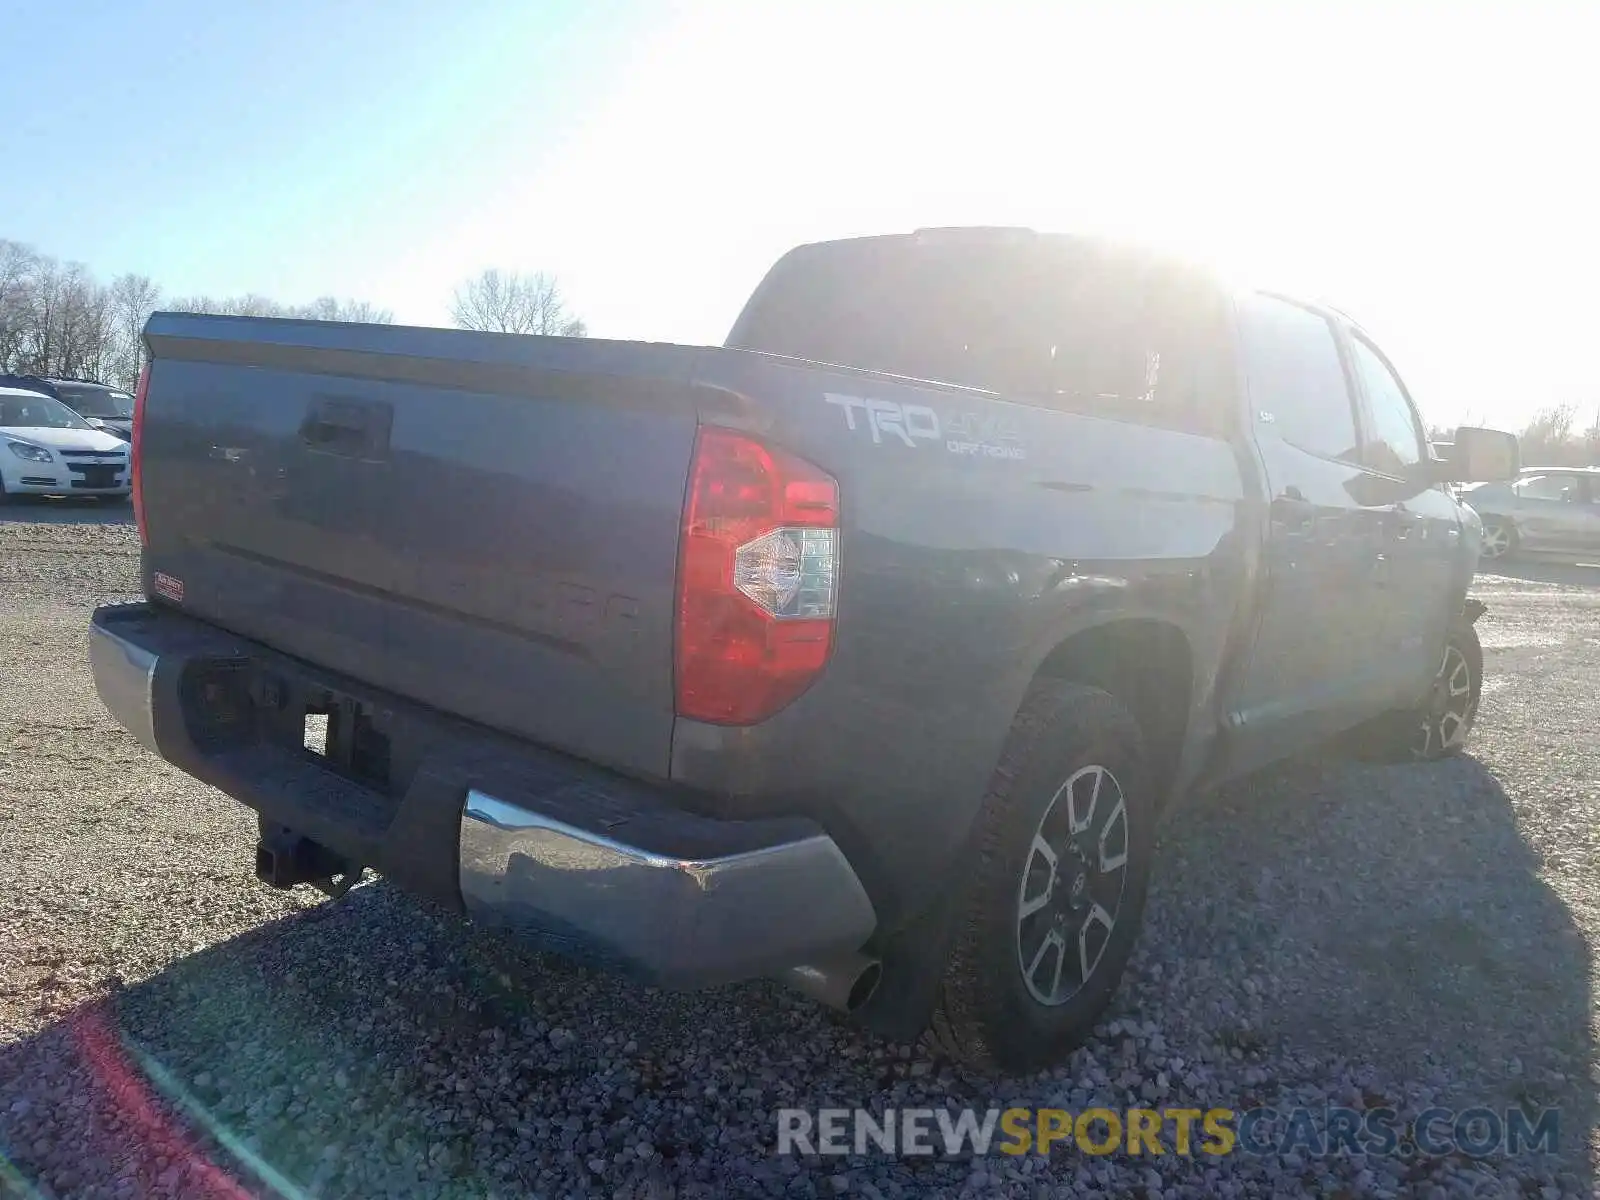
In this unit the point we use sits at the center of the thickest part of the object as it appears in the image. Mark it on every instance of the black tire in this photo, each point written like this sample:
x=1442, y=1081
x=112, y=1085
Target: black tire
x=1438, y=727
x=988, y=1014
x=1496, y=525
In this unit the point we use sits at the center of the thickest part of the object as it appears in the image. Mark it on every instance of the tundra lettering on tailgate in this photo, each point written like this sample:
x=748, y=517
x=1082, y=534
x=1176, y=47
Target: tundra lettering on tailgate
x=966, y=433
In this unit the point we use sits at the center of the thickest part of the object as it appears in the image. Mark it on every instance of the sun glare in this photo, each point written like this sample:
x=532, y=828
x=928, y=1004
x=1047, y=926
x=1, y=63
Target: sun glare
x=1341, y=154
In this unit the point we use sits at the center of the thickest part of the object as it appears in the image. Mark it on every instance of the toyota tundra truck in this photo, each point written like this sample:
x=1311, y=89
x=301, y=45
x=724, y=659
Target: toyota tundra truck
x=863, y=651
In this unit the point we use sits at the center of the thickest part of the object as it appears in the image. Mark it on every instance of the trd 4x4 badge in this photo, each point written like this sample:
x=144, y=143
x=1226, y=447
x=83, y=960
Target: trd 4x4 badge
x=969, y=434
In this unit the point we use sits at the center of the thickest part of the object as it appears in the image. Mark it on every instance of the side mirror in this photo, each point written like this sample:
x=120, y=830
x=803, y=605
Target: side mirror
x=1481, y=456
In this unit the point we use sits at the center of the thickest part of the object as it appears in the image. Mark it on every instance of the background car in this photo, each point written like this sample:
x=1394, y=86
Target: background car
x=103, y=406
x=1549, y=510
x=46, y=449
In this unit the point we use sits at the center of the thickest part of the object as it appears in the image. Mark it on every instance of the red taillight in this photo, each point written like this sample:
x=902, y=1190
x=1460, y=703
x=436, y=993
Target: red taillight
x=134, y=457
x=757, y=579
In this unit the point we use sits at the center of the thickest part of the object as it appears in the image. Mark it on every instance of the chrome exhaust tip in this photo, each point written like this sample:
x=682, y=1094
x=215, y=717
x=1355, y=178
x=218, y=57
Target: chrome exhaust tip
x=844, y=982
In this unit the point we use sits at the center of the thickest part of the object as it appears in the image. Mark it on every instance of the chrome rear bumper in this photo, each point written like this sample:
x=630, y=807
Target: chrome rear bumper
x=124, y=676
x=677, y=919
x=559, y=853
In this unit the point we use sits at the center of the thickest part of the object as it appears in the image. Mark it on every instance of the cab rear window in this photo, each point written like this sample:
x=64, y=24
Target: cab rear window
x=1061, y=324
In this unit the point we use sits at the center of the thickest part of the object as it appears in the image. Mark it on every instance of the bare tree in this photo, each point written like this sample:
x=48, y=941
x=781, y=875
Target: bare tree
x=325, y=308
x=83, y=347
x=19, y=267
x=51, y=337
x=57, y=319
x=1548, y=440
x=133, y=298
x=509, y=302
x=249, y=305
x=17, y=263
x=54, y=318
x=330, y=308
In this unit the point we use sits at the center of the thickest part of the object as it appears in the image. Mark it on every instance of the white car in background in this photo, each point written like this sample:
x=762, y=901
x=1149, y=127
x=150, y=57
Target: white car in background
x=46, y=449
x=1545, y=510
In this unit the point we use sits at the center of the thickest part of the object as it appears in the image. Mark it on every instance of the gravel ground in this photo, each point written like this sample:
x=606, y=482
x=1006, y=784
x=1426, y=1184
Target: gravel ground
x=1326, y=934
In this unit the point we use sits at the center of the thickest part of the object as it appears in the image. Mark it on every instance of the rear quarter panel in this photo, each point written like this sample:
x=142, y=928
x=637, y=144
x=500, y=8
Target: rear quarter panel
x=977, y=536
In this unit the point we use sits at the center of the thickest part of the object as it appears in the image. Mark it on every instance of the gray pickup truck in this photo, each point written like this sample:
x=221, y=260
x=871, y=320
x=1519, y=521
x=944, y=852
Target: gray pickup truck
x=863, y=651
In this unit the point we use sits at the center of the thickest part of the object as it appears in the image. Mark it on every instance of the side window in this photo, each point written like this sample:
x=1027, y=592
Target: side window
x=1139, y=343
x=1549, y=487
x=1292, y=364
x=1396, y=437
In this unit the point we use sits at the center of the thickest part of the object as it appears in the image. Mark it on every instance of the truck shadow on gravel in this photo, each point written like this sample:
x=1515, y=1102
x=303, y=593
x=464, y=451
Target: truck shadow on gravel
x=1326, y=934
x=1392, y=916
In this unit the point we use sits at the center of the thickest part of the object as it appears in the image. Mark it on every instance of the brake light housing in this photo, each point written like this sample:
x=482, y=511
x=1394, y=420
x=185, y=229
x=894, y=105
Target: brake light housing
x=758, y=578
x=135, y=453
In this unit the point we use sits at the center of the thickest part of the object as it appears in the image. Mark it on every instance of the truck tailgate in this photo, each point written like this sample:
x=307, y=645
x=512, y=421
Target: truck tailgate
x=483, y=523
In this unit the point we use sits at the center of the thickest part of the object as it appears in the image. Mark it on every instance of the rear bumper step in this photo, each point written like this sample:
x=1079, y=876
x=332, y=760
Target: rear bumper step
x=559, y=853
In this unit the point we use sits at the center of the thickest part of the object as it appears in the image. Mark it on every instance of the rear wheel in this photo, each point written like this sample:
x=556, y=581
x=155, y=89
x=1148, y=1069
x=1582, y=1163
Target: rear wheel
x=1056, y=887
x=1499, y=538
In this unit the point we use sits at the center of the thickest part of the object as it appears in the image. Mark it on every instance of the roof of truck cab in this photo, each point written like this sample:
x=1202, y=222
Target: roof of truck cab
x=994, y=234
x=1018, y=235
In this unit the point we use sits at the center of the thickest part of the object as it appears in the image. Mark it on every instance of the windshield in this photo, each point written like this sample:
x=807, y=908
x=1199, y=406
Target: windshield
x=97, y=402
x=38, y=412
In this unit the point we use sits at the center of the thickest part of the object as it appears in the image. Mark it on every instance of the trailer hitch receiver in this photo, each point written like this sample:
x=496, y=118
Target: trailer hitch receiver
x=285, y=858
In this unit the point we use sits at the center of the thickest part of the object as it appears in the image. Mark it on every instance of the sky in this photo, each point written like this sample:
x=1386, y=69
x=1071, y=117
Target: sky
x=1429, y=169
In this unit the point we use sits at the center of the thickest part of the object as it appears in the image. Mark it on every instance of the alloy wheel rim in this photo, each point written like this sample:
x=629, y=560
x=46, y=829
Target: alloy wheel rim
x=1072, y=886
x=1495, y=540
x=1450, y=703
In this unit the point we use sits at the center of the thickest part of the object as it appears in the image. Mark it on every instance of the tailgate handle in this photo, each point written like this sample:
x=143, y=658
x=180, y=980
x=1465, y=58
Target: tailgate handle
x=359, y=428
